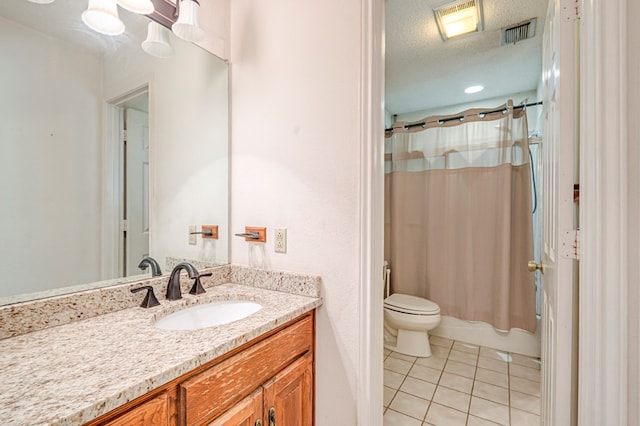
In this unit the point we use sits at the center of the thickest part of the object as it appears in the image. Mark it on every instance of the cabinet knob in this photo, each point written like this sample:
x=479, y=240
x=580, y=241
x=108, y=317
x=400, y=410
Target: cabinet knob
x=272, y=416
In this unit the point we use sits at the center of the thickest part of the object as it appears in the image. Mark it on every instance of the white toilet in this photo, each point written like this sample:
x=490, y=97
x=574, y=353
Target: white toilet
x=407, y=321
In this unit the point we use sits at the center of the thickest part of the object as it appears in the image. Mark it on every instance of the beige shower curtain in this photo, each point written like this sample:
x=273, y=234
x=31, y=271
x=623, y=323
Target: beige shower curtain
x=458, y=221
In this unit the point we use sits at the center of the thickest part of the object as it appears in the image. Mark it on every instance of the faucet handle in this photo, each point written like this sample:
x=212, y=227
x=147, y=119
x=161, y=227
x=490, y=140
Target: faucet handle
x=197, y=287
x=150, y=300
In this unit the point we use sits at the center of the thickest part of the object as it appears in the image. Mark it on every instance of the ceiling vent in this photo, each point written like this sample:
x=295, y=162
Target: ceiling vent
x=519, y=32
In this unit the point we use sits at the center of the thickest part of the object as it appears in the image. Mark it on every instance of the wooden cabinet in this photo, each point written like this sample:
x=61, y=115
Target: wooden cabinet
x=288, y=397
x=153, y=412
x=245, y=413
x=268, y=382
x=284, y=400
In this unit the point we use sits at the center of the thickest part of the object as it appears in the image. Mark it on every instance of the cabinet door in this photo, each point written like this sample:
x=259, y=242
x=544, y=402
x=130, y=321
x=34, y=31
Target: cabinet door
x=288, y=397
x=247, y=412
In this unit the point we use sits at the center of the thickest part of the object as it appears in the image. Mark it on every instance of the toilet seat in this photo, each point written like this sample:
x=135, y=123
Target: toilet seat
x=413, y=305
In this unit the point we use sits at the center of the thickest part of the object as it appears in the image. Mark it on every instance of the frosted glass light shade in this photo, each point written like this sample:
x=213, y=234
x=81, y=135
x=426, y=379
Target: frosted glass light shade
x=158, y=41
x=42, y=1
x=142, y=7
x=186, y=27
x=102, y=16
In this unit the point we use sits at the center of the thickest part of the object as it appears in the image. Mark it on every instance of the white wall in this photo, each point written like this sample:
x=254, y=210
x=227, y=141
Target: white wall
x=214, y=20
x=633, y=69
x=50, y=200
x=188, y=106
x=295, y=164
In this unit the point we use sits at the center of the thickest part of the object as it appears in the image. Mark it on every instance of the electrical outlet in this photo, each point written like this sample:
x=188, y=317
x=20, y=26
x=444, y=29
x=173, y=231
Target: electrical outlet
x=280, y=240
x=193, y=237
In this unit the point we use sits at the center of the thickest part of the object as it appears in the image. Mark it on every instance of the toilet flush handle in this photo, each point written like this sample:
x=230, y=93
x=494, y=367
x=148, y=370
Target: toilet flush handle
x=534, y=266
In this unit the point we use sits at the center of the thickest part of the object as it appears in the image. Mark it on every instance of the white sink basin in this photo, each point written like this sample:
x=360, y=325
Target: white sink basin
x=208, y=315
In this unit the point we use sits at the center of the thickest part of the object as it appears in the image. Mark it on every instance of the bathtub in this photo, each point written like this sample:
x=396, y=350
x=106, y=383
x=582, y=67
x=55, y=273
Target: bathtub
x=483, y=334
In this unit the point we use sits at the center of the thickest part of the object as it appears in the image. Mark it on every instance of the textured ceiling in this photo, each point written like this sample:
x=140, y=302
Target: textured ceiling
x=424, y=72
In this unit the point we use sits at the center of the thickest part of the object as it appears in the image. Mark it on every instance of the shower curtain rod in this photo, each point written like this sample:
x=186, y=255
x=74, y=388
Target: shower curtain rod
x=462, y=117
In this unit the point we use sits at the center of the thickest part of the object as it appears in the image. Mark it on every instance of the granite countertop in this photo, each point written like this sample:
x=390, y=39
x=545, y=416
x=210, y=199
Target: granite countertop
x=73, y=373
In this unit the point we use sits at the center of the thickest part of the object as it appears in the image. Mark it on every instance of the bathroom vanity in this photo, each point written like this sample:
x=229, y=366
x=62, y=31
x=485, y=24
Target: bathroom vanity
x=268, y=380
x=118, y=369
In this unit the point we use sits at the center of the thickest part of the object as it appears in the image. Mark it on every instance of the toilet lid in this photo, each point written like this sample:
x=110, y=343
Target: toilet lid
x=412, y=303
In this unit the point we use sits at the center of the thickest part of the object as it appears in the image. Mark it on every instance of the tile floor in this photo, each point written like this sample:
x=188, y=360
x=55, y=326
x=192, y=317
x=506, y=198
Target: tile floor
x=461, y=384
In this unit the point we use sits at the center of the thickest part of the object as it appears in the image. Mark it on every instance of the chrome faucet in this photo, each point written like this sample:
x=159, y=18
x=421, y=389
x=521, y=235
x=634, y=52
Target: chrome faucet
x=173, y=288
x=150, y=261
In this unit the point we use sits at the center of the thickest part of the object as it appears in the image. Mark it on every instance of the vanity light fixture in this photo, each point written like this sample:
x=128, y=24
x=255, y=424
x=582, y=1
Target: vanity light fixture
x=142, y=7
x=186, y=27
x=41, y=1
x=102, y=16
x=474, y=89
x=458, y=18
x=158, y=42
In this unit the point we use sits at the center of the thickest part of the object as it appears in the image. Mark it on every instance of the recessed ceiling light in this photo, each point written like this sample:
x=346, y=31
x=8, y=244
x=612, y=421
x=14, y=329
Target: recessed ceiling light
x=474, y=89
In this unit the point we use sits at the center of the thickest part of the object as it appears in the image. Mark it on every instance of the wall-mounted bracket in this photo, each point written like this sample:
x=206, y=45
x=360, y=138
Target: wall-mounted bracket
x=210, y=231
x=255, y=234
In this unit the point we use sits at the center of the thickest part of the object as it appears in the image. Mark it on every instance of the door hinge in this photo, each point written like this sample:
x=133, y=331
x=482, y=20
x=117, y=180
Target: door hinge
x=570, y=10
x=124, y=225
x=123, y=135
x=570, y=244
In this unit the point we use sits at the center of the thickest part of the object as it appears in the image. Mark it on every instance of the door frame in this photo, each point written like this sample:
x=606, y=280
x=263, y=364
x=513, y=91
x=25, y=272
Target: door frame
x=604, y=283
x=112, y=186
x=371, y=211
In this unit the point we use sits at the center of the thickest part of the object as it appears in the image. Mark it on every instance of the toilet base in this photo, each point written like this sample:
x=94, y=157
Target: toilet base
x=408, y=342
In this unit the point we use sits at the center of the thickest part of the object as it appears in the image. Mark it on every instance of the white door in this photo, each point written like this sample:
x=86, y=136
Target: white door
x=137, y=189
x=559, y=217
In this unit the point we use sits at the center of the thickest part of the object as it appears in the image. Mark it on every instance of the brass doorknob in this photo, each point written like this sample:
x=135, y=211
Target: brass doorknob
x=533, y=266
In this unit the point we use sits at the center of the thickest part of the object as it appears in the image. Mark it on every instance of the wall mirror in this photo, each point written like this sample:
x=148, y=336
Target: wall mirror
x=83, y=200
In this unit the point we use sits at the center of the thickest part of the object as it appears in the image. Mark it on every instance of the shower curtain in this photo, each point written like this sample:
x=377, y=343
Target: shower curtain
x=458, y=221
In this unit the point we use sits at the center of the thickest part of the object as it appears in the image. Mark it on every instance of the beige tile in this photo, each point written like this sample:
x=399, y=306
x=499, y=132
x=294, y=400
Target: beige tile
x=403, y=357
x=452, y=398
x=439, y=352
x=427, y=374
x=525, y=386
x=387, y=352
x=491, y=392
x=489, y=410
x=532, y=374
x=440, y=415
x=460, y=369
x=477, y=421
x=393, y=379
x=494, y=354
x=522, y=418
x=418, y=388
x=459, y=383
x=409, y=405
x=393, y=418
x=525, y=402
x=464, y=357
x=433, y=362
x=493, y=364
x=397, y=365
x=387, y=396
x=441, y=341
x=492, y=377
x=466, y=347
x=526, y=361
